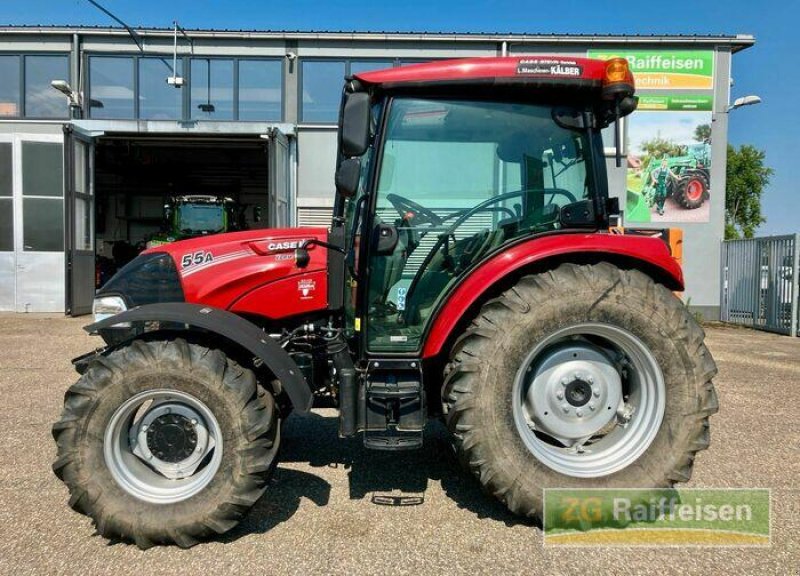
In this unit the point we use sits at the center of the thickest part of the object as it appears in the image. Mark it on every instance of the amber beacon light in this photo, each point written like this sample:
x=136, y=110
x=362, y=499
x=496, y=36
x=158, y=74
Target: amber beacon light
x=617, y=78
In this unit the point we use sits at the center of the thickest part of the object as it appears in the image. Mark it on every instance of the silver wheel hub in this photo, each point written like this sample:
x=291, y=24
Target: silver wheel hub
x=171, y=419
x=589, y=399
x=163, y=446
x=575, y=392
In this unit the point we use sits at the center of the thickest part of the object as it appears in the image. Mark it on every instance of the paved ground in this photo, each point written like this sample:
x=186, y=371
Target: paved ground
x=319, y=516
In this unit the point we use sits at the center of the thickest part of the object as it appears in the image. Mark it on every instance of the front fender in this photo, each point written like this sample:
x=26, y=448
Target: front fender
x=229, y=326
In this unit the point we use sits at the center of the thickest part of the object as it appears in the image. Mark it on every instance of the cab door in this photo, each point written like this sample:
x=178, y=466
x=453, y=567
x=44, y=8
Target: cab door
x=79, y=221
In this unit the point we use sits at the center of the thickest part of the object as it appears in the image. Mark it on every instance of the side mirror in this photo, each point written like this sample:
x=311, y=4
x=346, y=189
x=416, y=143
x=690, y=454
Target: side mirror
x=348, y=175
x=355, y=130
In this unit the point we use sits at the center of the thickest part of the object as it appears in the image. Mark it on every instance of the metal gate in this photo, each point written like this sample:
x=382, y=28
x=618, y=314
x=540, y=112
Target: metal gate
x=760, y=279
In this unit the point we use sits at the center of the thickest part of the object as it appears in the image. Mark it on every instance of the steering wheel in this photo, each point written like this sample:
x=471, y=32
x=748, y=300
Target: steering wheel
x=404, y=206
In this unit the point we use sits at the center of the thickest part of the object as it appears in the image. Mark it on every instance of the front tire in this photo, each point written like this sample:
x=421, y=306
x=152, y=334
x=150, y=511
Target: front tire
x=607, y=340
x=165, y=442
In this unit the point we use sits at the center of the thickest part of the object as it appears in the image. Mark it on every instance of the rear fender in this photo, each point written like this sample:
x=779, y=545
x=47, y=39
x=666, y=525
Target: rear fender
x=650, y=255
x=229, y=326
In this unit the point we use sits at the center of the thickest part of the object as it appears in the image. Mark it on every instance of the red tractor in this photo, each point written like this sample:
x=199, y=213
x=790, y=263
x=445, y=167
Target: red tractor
x=469, y=274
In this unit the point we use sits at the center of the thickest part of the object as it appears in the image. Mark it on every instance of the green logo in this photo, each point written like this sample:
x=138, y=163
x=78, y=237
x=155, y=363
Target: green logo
x=657, y=517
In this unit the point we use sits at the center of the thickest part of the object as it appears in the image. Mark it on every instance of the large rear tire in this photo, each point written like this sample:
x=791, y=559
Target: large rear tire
x=692, y=190
x=166, y=443
x=583, y=377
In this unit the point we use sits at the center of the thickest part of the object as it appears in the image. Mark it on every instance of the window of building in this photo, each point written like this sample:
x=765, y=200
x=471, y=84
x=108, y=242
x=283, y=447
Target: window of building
x=42, y=197
x=41, y=99
x=358, y=66
x=9, y=87
x=322, y=82
x=321, y=90
x=6, y=190
x=260, y=89
x=111, y=87
x=212, y=89
x=158, y=100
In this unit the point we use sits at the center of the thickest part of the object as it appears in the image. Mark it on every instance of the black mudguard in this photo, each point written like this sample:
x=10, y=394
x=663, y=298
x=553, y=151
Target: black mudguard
x=229, y=326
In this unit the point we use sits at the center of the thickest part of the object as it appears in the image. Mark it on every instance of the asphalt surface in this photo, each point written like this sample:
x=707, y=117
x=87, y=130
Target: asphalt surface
x=319, y=515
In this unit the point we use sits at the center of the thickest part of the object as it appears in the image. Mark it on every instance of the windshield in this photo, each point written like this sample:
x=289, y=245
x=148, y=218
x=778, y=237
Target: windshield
x=458, y=179
x=201, y=218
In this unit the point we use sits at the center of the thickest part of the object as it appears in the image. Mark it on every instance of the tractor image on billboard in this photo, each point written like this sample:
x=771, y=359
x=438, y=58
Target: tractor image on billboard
x=471, y=273
x=688, y=181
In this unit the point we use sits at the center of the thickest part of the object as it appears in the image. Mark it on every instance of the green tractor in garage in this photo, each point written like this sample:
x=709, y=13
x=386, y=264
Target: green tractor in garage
x=469, y=274
x=197, y=215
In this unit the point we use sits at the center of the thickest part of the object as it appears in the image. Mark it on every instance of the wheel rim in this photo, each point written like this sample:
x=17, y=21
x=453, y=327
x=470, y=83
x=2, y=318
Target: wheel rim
x=589, y=400
x=694, y=190
x=163, y=446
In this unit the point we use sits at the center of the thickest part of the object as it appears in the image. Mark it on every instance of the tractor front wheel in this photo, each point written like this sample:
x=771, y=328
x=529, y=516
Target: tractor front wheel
x=582, y=377
x=166, y=442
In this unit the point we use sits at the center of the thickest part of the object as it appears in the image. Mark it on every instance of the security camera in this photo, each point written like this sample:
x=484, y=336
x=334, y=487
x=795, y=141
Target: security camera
x=291, y=56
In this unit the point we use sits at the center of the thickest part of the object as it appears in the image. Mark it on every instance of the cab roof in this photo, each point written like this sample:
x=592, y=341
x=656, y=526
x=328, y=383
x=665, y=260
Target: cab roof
x=507, y=70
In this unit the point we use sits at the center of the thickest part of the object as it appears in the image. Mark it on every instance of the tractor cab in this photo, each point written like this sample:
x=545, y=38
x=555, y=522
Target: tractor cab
x=444, y=165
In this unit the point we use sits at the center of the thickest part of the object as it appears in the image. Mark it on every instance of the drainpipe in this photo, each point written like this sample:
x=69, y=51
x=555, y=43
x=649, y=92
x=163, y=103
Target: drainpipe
x=76, y=77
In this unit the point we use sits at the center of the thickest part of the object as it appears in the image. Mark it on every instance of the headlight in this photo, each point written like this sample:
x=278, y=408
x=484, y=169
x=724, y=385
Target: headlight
x=107, y=306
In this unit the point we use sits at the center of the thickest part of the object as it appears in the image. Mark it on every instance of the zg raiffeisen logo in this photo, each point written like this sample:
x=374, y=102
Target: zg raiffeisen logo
x=657, y=517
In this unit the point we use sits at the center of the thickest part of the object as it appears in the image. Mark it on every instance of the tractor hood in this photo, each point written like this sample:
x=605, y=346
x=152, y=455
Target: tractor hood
x=251, y=272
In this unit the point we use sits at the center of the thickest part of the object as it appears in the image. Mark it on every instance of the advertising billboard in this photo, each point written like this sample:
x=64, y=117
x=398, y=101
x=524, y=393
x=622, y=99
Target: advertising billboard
x=669, y=135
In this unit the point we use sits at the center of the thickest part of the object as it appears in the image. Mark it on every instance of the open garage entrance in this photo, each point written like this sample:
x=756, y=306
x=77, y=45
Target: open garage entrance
x=127, y=192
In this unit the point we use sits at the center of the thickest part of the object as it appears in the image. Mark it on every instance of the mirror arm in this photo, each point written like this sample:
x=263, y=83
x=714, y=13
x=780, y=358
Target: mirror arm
x=617, y=134
x=328, y=245
x=302, y=257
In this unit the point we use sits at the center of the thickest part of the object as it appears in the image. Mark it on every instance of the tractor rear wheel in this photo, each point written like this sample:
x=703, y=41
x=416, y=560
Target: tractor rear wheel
x=692, y=190
x=582, y=377
x=165, y=442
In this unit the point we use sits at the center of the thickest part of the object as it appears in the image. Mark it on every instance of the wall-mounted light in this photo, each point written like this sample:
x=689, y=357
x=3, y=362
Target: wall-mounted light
x=73, y=96
x=744, y=101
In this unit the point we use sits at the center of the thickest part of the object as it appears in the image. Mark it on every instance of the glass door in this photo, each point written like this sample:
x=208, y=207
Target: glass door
x=80, y=254
x=279, y=184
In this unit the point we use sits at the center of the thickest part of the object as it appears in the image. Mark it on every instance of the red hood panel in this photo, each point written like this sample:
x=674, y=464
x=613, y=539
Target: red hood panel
x=249, y=271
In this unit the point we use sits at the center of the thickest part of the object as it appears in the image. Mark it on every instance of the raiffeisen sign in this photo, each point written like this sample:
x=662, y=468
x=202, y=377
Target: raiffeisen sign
x=667, y=69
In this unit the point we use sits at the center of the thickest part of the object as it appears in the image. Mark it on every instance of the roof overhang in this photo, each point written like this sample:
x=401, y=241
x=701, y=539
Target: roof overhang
x=736, y=42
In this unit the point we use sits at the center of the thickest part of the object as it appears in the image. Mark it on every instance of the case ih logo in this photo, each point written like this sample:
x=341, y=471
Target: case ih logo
x=544, y=67
x=290, y=245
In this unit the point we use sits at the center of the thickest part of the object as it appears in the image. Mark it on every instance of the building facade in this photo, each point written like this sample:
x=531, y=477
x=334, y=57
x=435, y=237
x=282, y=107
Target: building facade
x=87, y=166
